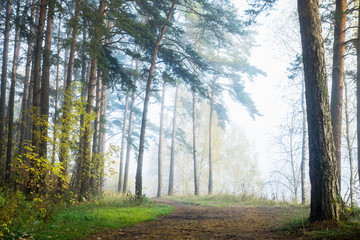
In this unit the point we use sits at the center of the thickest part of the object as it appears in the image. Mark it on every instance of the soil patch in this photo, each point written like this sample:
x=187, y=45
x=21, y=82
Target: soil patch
x=189, y=221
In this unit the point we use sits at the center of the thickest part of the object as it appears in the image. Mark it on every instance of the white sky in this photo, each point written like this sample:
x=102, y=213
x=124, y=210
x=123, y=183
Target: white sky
x=266, y=91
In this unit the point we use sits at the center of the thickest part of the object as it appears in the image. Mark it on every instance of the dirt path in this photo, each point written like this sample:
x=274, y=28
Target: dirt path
x=204, y=222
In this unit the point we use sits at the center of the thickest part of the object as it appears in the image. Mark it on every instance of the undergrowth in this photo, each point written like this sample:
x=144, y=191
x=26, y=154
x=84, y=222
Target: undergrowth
x=40, y=219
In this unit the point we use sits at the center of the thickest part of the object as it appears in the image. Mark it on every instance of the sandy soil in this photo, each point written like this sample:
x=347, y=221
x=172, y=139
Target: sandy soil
x=203, y=222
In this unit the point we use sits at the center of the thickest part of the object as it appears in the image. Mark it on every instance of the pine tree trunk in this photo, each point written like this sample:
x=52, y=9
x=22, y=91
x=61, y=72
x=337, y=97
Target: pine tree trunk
x=303, y=147
x=138, y=180
x=95, y=158
x=36, y=180
x=210, y=186
x=12, y=96
x=24, y=104
x=338, y=78
x=172, y=156
x=123, y=137
x=349, y=146
x=4, y=72
x=326, y=202
x=358, y=92
x=161, y=136
x=102, y=142
x=56, y=95
x=63, y=158
x=129, y=132
x=84, y=81
x=86, y=157
x=45, y=80
x=196, y=181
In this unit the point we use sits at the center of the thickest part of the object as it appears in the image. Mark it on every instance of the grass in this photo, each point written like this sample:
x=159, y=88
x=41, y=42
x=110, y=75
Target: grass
x=229, y=200
x=79, y=221
x=88, y=219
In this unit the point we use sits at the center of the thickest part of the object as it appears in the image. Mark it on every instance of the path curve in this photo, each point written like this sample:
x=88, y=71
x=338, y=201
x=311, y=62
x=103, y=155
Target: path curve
x=190, y=221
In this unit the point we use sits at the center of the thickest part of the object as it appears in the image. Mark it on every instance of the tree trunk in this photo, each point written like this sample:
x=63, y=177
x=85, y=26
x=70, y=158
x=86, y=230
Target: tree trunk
x=138, y=180
x=349, y=145
x=326, y=202
x=196, y=181
x=210, y=186
x=338, y=78
x=95, y=157
x=303, y=144
x=24, y=104
x=358, y=92
x=85, y=162
x=123, y=137
x=84, y=82
x=37, y=77
x=172, y=156
x=45, y=80
x=36, y=180
x=129, y=132
x=102, y=143
x=12, y=96
x=63, y=158
x=56, y=95
x=161, y=136
x=4, y=82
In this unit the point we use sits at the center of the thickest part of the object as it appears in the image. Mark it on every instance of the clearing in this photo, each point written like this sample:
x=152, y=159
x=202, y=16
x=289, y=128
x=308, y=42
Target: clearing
x=192, y=221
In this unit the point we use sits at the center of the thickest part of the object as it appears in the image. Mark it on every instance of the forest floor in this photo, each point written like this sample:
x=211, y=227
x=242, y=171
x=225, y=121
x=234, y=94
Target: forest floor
x=193, y=221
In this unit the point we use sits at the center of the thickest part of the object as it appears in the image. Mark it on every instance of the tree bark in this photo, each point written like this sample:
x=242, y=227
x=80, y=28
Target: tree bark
x=85, y=162
x=138, y=180
x=326, y=202
x=4, y=82
x=45, y=80
x=12, y=96
x=56, y=95
x=95, y=158
x=129, y=132
x=210, y=186
x=123, y=137
x=24, y=104
x=303, y=147
x=37, y=77
x=196, y=181
x=338, y=78
x=172, y=156
x=161, y=136
x=349, y=146
x=358, y=92
x=102, y=142
x=63, y=158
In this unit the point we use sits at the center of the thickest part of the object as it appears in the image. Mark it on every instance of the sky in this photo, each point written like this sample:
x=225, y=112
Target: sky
x=266, y=91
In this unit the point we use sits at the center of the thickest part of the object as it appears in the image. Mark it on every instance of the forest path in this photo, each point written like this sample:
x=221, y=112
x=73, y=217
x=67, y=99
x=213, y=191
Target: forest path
x=189, y=221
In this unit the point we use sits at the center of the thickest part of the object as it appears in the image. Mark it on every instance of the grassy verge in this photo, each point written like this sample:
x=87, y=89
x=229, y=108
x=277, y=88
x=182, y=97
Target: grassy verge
x=346, y=229
x=229, y=200
x=79, y=221
x=88, y=219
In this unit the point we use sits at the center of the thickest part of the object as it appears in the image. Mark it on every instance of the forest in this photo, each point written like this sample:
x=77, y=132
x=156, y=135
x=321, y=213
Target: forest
x=147, y=119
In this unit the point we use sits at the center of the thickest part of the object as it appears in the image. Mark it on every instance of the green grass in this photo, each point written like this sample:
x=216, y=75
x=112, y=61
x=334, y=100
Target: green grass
x=229, y=200
x=81, y=221
x=76, y=221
